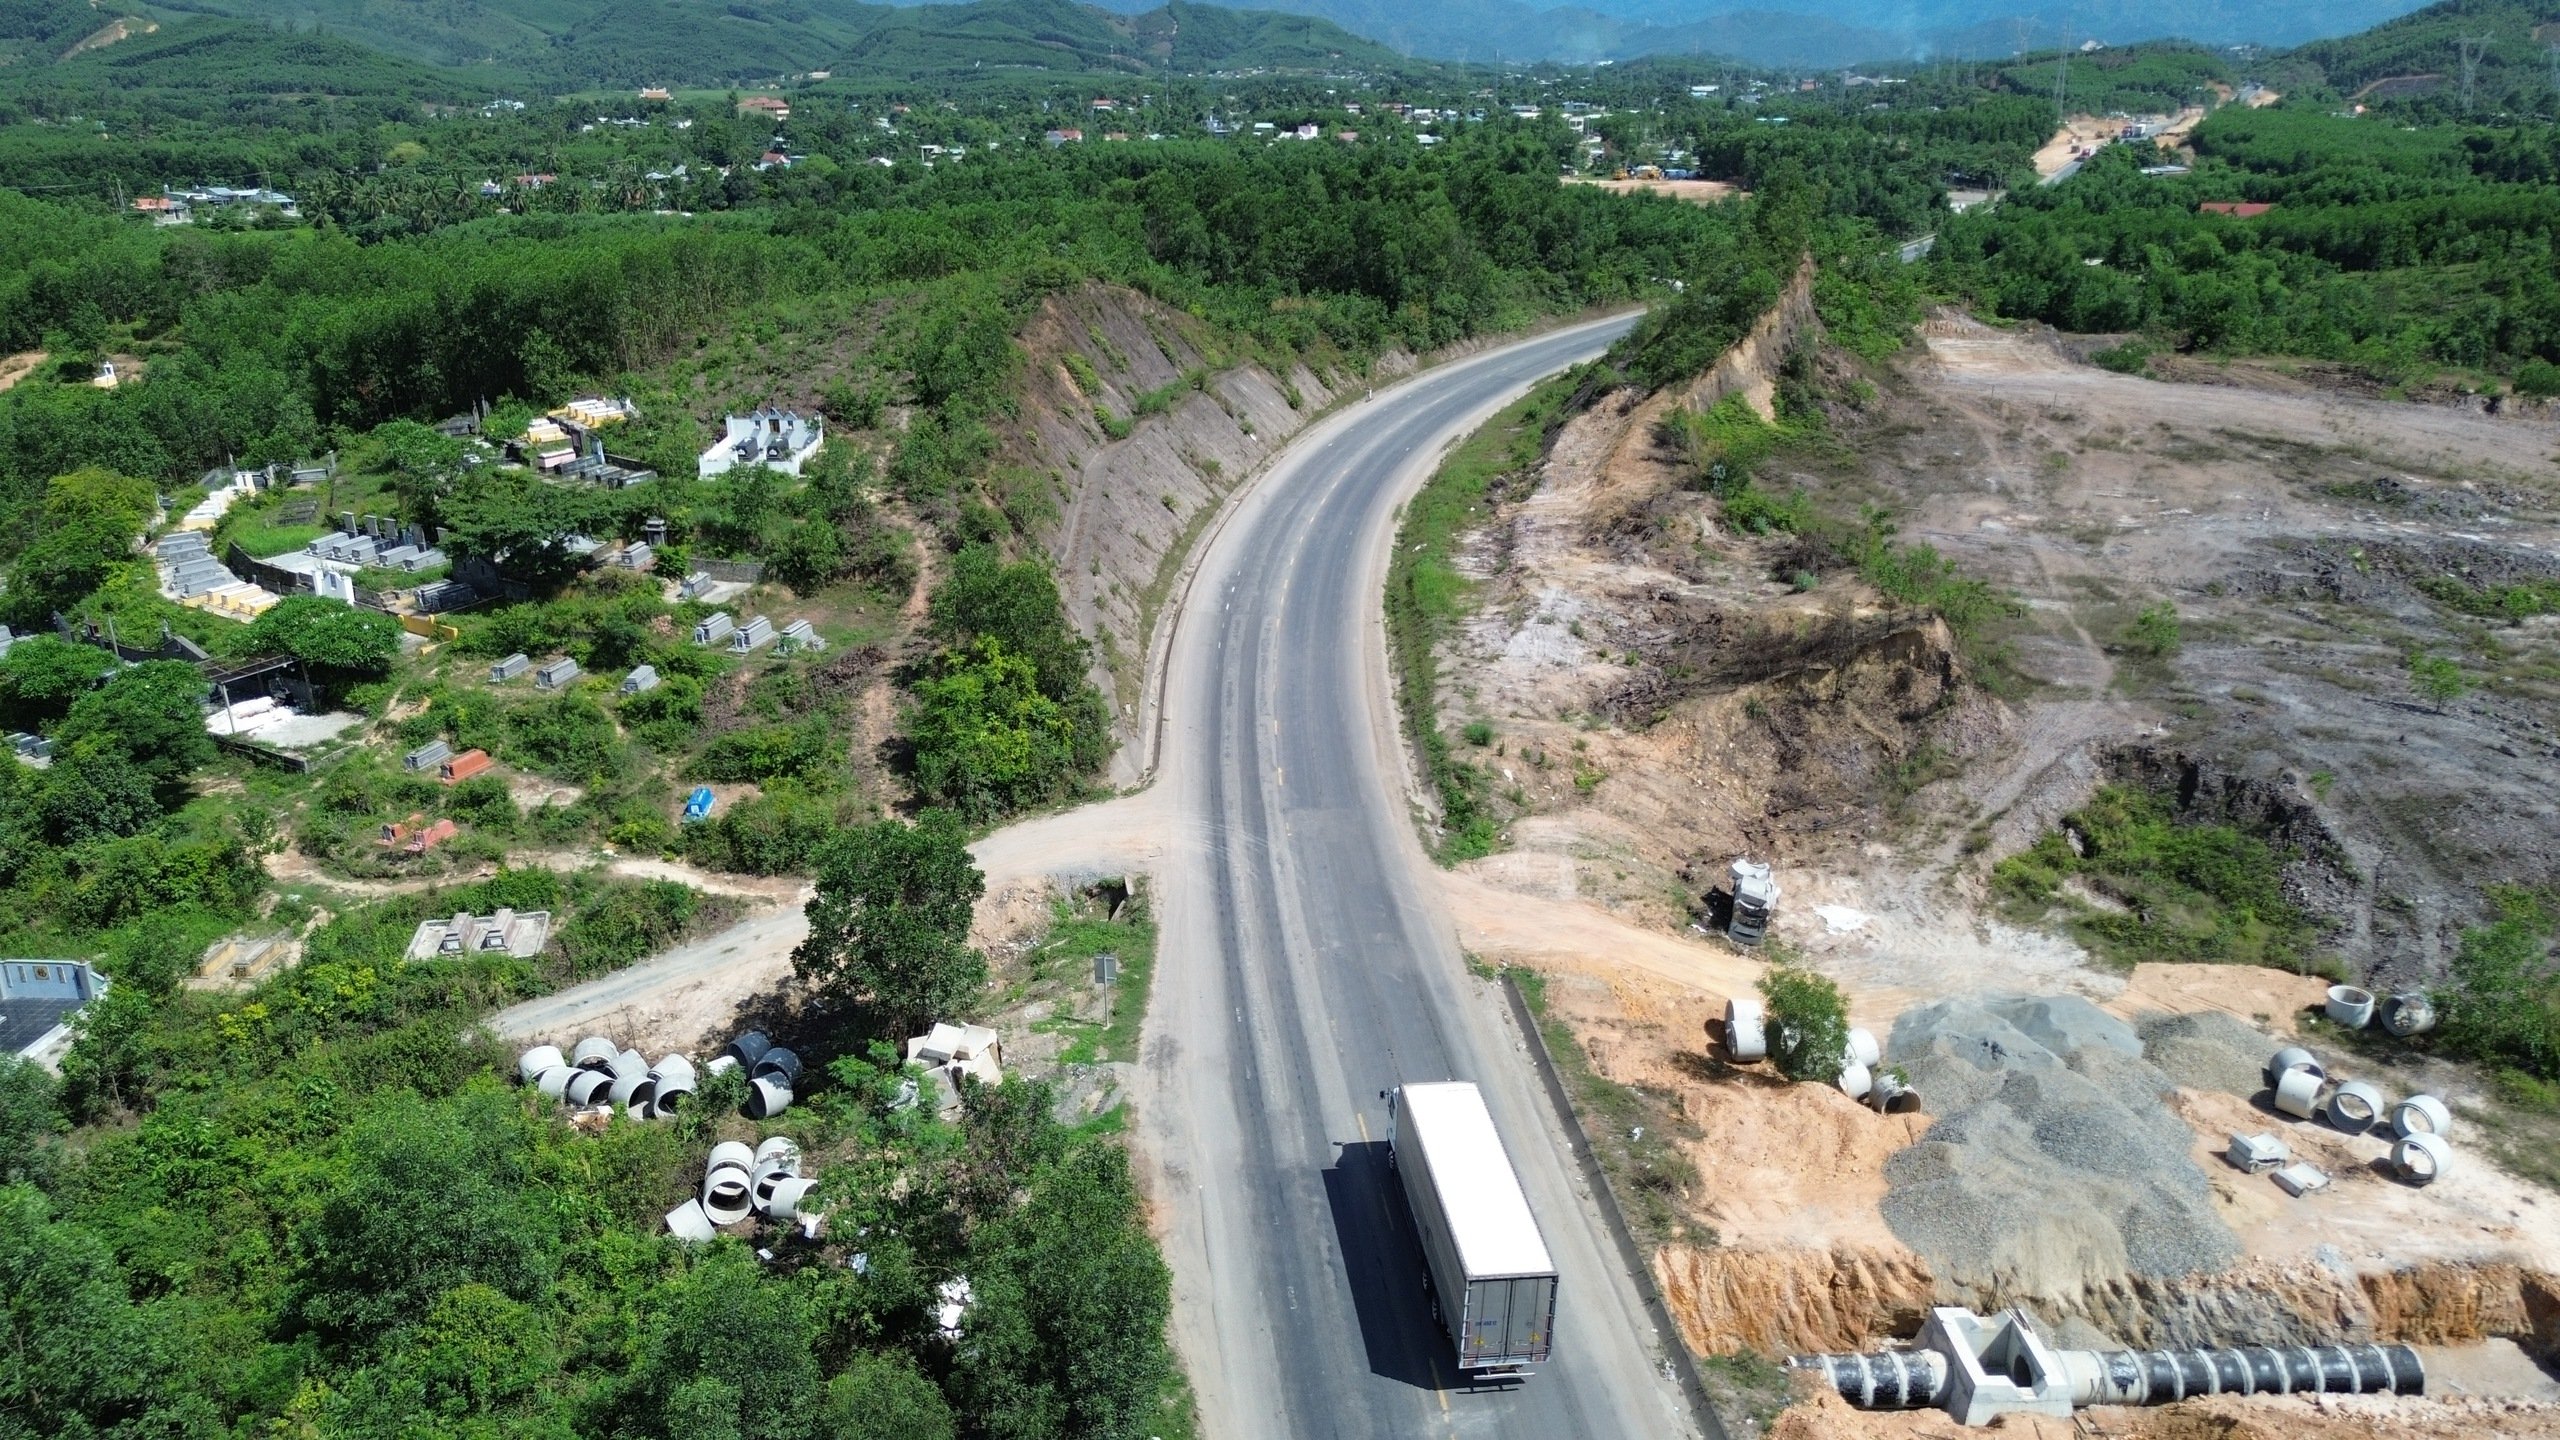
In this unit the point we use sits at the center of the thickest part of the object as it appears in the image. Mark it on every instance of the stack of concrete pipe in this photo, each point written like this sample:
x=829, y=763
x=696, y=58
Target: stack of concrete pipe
x=2406, y=1013
x=1862, y=1073
x=598, y=1072
x=2419, y=1126
x=738, y=1182
x=772, y=1071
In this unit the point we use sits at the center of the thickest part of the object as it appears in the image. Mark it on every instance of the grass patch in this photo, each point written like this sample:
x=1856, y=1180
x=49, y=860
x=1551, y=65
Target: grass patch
x=1427, y=597
x=2171, y=891
x=1745, y=1386
x=1630, y=1131
x=1102, y=920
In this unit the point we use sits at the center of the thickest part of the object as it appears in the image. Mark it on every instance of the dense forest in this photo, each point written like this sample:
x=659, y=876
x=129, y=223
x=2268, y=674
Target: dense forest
x=2399, y=250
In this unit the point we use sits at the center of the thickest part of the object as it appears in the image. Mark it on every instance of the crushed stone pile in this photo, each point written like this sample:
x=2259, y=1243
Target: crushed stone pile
x=2208, y=1050
x=2055, y=1168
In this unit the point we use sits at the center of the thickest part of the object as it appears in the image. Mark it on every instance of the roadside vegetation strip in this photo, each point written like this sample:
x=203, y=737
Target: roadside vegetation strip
x=1573, y=1087
x=1427, y=596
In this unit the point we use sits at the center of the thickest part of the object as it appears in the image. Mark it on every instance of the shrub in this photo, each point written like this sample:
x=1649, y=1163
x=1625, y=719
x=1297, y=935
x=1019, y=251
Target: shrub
x=2130, y=358
x=2539, y=379
x=1808, y=1023
x=2503, y=1006
x=2155, y=631
x=2437, y=680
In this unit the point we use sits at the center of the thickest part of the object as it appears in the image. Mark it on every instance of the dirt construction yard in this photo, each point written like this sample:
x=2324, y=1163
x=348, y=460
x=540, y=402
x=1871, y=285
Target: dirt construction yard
x=1661, y=701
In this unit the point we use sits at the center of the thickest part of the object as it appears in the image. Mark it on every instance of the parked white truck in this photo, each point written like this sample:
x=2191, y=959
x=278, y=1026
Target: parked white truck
x=1493, y=1283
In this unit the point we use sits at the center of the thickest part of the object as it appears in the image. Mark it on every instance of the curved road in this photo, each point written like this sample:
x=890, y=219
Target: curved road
x=1306, y=968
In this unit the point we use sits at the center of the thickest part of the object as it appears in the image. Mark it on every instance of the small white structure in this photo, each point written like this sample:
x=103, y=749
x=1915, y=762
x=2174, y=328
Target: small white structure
x=427, y=756
x=800, y=637
x=775, y=438
x=556, y=674
x=515, y=932
x=752, y=636
x=509, y=668
x=642, y=677
x=714, y=628
x=2257, y=1154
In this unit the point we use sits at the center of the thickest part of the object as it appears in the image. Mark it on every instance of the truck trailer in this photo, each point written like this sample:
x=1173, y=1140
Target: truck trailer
x=1493, y=1284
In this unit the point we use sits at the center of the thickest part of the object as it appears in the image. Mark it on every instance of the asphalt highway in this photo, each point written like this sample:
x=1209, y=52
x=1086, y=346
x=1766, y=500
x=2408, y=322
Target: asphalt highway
x=1306, y=967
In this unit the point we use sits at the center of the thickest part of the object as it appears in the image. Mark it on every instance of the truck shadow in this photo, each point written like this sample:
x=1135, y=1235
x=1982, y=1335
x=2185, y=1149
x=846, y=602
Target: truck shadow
x=1382, y=1261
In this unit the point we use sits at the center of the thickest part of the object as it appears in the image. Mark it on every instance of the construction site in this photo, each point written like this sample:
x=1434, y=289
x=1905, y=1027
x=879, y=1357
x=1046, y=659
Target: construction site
x=2059, y=1156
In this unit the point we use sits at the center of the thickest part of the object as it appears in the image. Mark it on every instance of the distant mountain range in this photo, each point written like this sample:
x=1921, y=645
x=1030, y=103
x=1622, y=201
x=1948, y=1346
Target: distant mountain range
x=357, y=46
x=583, y=43
x=1821, y=33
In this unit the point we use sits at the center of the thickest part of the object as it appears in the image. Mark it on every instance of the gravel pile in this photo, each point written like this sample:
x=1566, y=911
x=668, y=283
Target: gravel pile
x=2055, y=1168
x=2209, y=1050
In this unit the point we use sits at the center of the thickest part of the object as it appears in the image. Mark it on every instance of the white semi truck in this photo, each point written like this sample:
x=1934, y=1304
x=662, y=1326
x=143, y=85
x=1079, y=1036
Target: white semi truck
x=1493, y=1283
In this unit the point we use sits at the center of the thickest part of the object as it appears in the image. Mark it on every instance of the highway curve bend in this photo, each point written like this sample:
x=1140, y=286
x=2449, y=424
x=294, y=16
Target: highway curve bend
x=1307, y=968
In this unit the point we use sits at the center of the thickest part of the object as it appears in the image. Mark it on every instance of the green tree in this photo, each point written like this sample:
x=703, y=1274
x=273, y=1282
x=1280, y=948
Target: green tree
x=889, y=925
x=985, y=739
x=732, y=1353
x=153, y=712
x=1067, y=1333
x=1808, y=1023
x=347, y=639
x=42, y=674
x=1016, y=604
x=76, y=1357
x=521, y=524
x=30, y=1118
x=884, y=1397
x=85, y=529
x=434, y=1196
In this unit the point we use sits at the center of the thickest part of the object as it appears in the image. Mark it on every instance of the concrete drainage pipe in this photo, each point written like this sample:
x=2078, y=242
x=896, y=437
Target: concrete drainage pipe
x=626, y=1089
x=538, y=1059
x=2421, y=1115
x=788, y=1195
x=730, y=1152
x=594, y=1053
x=688, y=1223
x=554, y=1082
x=2298, y=1093
x=766, y=1098
x=2350, y=1006
x=1863, y=1049
x=630, y=1063
x=2292, y=1057
x=1746, y=1030
x=747, y=1049
x=762, y=1182
x=2421, y=1158
x=728, y=1195
x=781, y=1148
x=1892, y=1096
x=672, y=1094
x=2355, y=1107
x=1856, y=1080
x=779, y=1064
x=2409, y=1013
x=587, y=1086
x=670, y=1067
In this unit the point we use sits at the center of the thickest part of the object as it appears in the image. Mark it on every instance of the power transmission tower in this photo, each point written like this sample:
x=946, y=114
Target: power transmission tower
x=2473, y=47
x=2061, y=79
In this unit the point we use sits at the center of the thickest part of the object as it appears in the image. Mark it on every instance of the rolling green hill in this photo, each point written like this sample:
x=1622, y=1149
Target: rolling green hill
x=575, y=44
x=2515, y=68
x=1062, y=35
x=226, y=66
